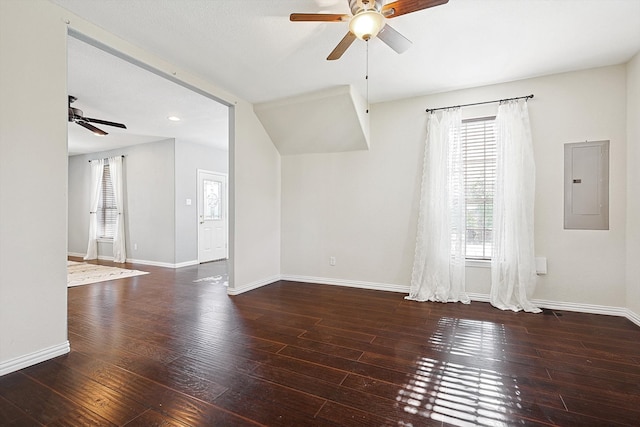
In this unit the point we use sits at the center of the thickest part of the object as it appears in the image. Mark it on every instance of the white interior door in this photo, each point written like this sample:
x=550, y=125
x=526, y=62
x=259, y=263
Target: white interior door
x=212, y=216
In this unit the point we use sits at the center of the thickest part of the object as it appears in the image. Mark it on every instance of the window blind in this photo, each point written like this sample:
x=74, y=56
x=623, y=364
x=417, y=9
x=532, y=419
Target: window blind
x=479, y=155
x=107, y=210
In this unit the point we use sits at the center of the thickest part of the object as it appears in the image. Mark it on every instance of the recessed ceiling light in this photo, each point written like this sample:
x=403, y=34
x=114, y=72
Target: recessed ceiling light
x=173, y=118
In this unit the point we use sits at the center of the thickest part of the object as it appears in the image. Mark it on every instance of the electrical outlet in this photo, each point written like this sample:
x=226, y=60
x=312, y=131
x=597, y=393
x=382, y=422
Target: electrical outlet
x=135, y=246
x=332, y=260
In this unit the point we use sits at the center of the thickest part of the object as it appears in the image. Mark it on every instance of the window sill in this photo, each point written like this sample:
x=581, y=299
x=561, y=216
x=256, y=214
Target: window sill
x=105, y=240
x=479, y=263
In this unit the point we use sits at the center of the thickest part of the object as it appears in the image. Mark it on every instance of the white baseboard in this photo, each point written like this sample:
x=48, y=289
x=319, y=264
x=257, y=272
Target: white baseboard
x=76, y=254
x=26, y=360
x=253, y=285
x=635, y=318
x=186, y=263
x=478, y=297
x=553, y=305
x=348, y=283
x=573, y=306
x=580, y=307
x=142, y=261
x=100, y=257
x=162, y=264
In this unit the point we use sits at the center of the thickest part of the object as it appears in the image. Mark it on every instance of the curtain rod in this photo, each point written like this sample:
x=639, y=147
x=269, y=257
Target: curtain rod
x=431, y=110
x=103, y=159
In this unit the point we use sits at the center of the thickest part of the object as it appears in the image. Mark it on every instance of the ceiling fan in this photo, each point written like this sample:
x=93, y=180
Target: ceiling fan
x=368, y=20
x=76, y=115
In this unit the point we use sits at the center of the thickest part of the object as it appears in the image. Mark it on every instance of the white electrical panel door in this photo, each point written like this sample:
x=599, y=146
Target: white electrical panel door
x=586, y=185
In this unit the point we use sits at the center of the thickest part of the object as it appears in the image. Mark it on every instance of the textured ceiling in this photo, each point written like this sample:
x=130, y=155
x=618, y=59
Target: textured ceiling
x=112, y=89
x=251, y=49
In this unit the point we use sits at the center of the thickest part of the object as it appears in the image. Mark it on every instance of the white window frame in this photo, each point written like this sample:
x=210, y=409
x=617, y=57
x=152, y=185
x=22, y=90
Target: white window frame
x=106, y=223
x=479, y=153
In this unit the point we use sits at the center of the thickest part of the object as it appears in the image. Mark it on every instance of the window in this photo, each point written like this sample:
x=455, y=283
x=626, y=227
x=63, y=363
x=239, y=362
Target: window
x=479, y=156
x=107, y=211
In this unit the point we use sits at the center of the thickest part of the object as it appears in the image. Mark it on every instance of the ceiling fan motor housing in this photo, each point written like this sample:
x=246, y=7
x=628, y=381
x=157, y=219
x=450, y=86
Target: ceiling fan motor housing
x=367, y=20
x=358, y=5
x=76, y=115
x=74, y=112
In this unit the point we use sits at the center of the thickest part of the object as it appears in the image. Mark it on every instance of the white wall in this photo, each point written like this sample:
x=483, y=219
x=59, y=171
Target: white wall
x=361, y=207
x=257, y=204
x=190, y=157
x=160, y=176
x=633, y=186
x=33, y=185
x=33, y=250
x=149, y=202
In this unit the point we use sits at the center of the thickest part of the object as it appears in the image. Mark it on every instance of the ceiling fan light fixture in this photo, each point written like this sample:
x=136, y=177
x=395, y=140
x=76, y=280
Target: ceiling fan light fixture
x=366, y=24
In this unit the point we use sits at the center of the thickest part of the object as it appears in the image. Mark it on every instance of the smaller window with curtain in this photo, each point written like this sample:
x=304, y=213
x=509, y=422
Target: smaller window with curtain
x=107, y=210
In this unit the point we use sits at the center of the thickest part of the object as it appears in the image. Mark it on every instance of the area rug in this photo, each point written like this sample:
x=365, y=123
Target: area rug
x=80, y=273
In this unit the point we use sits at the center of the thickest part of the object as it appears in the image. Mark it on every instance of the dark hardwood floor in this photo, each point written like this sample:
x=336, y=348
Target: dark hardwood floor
x=172, y=349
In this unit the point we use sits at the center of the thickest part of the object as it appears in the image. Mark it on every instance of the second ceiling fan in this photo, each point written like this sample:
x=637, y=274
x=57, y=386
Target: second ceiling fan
x=76, y=116
x=368, y=20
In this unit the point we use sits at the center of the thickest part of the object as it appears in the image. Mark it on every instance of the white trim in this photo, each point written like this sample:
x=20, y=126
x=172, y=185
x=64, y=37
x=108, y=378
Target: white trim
x=186, y=263
x=477, y=263
x=553, y=305
x=478, y=297
x=159, y=263
x=348, y=283
x=253, y=285
x=142, y=261
x=635, y=318
x=26, y=360
x=572, y=306
x=583, y=308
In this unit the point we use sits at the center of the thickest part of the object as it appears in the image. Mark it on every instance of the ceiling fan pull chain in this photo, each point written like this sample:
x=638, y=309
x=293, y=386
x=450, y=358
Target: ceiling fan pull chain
x=366, y=77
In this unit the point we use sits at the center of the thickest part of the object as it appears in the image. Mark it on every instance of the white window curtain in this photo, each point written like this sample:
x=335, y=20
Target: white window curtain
x=97, y=169
x=439, y=263
x=513, y=273
x=119, y=244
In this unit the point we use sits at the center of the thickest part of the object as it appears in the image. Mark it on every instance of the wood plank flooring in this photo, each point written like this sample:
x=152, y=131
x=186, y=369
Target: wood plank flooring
x=172, y=349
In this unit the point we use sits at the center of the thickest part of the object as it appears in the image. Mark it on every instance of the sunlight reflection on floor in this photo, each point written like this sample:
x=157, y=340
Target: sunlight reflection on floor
x=458, y=394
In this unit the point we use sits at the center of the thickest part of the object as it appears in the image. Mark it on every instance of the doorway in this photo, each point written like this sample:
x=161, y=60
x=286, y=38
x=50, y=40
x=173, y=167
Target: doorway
x=212, y=216
x=153, y=142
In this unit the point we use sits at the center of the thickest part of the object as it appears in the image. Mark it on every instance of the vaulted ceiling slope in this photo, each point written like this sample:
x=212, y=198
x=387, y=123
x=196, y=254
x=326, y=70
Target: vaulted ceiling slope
x=250, y=47
x=326, y=121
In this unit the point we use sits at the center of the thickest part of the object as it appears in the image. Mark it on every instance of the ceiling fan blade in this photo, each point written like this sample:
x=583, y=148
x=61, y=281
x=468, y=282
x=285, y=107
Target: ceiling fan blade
x=394, y=39
x=91, y=128
x=104, y=122
x=342, y=46
x=402, y=7
x=314, y=17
